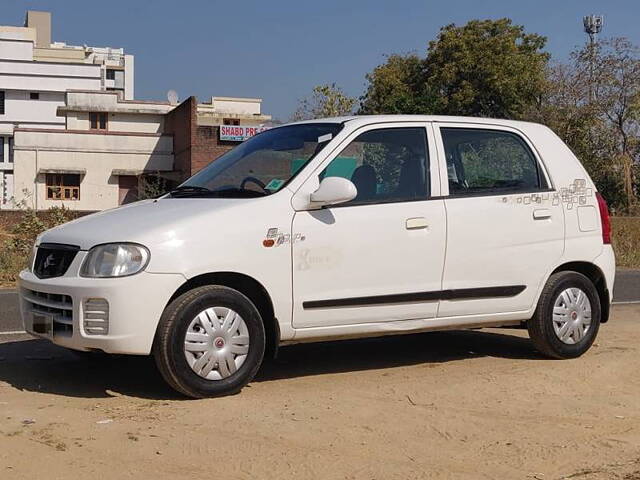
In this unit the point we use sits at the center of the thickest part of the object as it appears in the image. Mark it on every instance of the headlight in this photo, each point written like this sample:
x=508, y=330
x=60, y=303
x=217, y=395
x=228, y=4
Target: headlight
x=32, y=257
x=115, y=260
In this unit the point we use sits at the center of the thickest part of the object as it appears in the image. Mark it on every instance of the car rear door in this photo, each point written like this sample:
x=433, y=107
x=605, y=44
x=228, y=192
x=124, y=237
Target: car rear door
x=505, y=222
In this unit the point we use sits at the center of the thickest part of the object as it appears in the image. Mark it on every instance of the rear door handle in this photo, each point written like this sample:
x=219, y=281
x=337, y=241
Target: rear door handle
x=416, y=223
x=541, y=214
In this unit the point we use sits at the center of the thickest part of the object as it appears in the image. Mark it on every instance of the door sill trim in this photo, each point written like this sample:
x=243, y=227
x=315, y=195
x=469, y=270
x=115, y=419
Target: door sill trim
x=417, y=297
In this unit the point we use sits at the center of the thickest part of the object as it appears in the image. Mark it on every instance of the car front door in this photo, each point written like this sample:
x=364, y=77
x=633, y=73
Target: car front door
x=505, y=222
x=379, y=257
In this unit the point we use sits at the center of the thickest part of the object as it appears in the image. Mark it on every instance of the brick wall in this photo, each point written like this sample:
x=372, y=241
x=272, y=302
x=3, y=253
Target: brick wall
x=206, y=147
x=194, y=146
x=179, y=122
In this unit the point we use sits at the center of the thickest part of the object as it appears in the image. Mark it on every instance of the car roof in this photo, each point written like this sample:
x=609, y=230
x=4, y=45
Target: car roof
x=359, y=120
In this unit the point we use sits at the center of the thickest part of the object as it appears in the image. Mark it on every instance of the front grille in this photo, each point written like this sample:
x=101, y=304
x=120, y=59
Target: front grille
x=60, y=307
x=53, y=259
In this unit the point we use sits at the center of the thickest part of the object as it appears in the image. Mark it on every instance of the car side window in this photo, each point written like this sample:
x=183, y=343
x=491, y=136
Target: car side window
x=385, y=165
x=483, y=161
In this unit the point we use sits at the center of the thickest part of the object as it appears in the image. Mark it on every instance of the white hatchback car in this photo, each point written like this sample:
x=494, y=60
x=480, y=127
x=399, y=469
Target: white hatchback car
x=335, y=228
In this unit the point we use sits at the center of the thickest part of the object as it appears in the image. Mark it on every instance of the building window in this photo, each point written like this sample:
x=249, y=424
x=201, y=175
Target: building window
x=231, y=121
x=63, y=186
x=34, y=95
x=10, y=140
x=111, y=74
x=6, y=186
x=1, y=103
x=1, y=149
x=98, y=120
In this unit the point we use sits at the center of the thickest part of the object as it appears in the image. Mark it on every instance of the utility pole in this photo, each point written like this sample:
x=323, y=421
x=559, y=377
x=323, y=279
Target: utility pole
x=592, y=26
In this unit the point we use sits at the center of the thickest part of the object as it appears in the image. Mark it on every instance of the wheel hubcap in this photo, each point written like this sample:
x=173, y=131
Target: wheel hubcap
x=571, y=315
x=216, y=343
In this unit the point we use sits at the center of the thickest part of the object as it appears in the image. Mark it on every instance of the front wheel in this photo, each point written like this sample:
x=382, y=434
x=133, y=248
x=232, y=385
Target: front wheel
x=567, y=319
x=210, y=342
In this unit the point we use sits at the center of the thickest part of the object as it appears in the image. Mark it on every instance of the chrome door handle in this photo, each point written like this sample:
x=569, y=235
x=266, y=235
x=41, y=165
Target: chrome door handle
x=416, y=223
x=541, y=214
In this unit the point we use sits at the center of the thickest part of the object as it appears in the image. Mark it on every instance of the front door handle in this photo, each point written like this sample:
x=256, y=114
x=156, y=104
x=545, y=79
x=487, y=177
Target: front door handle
x=416, y=223
x=541, y=214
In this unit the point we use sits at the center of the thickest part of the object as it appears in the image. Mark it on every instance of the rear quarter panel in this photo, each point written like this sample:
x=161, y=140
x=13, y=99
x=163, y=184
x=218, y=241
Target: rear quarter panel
x=577, y=194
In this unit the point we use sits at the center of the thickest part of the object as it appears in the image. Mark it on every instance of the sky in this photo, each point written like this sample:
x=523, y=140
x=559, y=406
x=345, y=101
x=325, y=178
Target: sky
x=280, y=49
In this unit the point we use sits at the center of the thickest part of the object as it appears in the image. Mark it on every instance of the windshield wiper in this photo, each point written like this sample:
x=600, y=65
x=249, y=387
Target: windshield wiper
x=197, y=191
x=237, y=193
x=189, y=190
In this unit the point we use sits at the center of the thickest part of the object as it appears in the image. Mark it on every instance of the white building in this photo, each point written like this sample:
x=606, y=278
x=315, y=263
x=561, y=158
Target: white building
x=35, y=75
x=108, y=144
x=96, y=161
x=232, y=111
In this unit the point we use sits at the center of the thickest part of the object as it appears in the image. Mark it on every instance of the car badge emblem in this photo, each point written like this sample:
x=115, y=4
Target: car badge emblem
x=49, y=261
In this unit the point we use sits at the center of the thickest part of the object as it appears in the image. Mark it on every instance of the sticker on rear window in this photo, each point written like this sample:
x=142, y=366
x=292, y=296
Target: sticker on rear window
x=325, y=138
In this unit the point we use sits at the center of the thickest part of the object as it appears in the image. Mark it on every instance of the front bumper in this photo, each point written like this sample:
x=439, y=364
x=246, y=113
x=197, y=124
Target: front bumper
x=135, y=305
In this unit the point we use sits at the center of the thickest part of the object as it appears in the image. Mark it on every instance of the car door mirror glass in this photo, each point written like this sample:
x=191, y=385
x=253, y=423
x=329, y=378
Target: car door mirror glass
x=332, y=191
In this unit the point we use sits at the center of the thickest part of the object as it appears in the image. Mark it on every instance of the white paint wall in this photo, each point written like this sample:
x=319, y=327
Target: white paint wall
x=19, y=78
x=108, y=102
x=19, y=108
x=119, y=122
x=97, y=154
x=236, y=106
x=129, y=68
x=16, y=49
x=44, y=83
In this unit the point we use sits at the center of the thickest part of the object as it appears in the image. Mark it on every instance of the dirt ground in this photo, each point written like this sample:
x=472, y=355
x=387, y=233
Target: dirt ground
x=447, y=405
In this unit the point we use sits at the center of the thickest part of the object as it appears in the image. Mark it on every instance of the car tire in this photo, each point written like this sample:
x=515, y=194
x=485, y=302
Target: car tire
x=199, y=323
x=567, y=318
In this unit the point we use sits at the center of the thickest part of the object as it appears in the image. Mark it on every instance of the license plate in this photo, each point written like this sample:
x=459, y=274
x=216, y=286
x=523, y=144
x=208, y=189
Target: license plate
x=42, y=324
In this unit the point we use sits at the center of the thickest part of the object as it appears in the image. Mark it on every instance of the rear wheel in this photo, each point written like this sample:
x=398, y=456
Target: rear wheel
x=567, y=319
x=210, y=342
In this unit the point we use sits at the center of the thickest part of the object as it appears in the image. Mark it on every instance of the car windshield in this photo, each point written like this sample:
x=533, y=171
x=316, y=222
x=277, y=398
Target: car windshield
x=261, y=165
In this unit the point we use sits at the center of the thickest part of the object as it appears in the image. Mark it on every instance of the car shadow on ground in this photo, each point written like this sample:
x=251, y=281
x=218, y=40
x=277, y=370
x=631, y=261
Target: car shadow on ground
x=39, y=366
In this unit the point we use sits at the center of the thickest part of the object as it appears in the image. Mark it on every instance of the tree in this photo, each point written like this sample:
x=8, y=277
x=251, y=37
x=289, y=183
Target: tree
x=593, y=103
x=488, y=68
x=616, y=100
x=397, y=86
x=325, y=101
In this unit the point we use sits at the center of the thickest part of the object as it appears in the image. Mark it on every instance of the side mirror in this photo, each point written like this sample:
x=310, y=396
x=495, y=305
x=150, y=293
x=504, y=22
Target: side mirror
x=333, y=190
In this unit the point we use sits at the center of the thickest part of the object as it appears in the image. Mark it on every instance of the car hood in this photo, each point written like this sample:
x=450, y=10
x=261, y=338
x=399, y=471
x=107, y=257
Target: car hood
x=147, y=222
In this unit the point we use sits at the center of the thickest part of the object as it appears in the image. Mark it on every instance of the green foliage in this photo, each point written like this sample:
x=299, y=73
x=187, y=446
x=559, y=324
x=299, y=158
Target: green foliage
x=493, y=68
x=152, y=186
x=377, y=155
x=626, y=241
x=487, y=68
x=397, y=86
x=325, y=101
x=18, y=242
x=592, y=102
x=482, y=158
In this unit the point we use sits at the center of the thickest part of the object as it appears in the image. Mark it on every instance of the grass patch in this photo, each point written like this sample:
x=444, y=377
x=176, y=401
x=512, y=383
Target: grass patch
x=16, y=241
x=15, y=244
x=626, y=241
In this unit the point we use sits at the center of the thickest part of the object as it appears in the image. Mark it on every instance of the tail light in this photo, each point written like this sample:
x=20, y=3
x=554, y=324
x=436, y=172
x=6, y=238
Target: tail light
x=605, y=220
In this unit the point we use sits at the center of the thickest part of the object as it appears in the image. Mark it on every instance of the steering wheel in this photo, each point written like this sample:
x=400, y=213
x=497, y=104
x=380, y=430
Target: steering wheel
x=252, y=180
